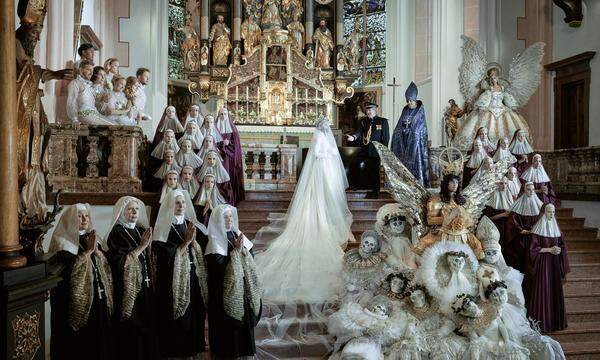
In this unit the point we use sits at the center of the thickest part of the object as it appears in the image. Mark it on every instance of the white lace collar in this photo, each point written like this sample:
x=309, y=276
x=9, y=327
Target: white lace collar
x=527, y=205
x=520, y=147
x=128, y=225
x=535, y=175
x=500, y=200
x=546, y=228
x=178, y=219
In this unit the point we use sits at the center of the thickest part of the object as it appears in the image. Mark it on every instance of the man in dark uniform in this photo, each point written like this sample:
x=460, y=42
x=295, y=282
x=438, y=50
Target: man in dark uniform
x=371, y=128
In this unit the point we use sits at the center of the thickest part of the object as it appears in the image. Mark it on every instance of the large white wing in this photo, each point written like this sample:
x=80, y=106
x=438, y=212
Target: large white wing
x=525, y=73
x=472, y=69
x=405, y=189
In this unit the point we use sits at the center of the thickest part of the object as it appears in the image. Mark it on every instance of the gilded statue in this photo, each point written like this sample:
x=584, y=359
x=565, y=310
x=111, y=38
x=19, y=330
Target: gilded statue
x=296, y=30
x=352, y=46
x=190, y=48
x=251, y=34
x=219, y=39
x=271, y=17
x=323, y=41
x=451, y=116
x=31, y=117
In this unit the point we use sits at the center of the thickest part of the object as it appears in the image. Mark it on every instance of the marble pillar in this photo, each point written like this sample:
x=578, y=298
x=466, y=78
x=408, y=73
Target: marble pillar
x=309, y=21
x=339, y=22
x=204, y=20
x=9, y=197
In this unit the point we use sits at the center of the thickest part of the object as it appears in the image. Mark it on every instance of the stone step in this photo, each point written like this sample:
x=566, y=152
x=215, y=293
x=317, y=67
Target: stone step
x=584, y=313
x=278, y=206
x=585, y=269
x=583, y=244
x=287, y=195
x=578, y=332
x=310, y=346
x=577, y=234
x=261, y=214
x=252, y=225
x=575, y=299
x=583, y=256
x=572, y=222
x=583, y=284
x=581, y=350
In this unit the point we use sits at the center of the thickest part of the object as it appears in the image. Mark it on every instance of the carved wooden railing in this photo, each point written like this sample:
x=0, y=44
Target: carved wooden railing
x=95, y=158
x=269, y=166
x=574, y=172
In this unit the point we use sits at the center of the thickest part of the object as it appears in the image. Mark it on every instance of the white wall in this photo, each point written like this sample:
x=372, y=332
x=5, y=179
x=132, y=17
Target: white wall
x=572, y=41
x=147, y=33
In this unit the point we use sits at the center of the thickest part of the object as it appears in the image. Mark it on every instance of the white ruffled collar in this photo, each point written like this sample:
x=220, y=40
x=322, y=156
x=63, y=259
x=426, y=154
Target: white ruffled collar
x=476, y=159
x=501, y=154
x=520, y=147
x=535, y=175
x=178, y=219
x=128, y=225
x=500, y=200
x=527, y=205
x=546, y=228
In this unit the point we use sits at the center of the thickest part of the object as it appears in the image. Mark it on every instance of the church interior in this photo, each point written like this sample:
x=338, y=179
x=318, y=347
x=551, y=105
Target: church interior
x=300, y=179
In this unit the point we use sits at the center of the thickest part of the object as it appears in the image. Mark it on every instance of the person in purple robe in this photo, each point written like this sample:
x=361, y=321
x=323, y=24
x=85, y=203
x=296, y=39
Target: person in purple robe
x=548, y=266
x=231, y=148
x=523, y=215
x=409, y=140
x=488, y=145
x=207, y=198
x=521, y=149
x=540, y=179
x=476, y=157
x=497, y=209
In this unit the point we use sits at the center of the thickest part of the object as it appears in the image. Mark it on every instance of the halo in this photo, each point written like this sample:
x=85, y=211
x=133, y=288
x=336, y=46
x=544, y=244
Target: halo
x=451, y=161
x=493, y=65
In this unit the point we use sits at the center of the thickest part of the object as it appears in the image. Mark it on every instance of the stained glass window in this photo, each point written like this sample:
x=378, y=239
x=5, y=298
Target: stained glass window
x=176, y=22
x=372, y=54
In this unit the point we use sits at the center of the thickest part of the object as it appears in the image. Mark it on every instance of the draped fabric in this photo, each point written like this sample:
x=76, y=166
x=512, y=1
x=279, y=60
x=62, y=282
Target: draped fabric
x=410, y=142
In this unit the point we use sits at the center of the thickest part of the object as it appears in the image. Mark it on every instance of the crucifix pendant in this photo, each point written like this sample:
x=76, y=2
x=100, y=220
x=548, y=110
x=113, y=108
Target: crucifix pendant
x=100, y=292
x=147, y=281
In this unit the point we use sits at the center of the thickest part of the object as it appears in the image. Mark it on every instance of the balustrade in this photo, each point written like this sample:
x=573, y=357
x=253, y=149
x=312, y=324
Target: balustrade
x=269, y=166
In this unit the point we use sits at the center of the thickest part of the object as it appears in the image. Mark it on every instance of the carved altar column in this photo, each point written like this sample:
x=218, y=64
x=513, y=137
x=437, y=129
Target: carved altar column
x=9, y=197
x=339, y=37
x=237, y=24
x=204, y=31
x=309, y=28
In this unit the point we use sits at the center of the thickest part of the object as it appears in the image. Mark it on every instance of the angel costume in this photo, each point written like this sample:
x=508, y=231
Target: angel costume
x=234, y=288
x=519, y=147
x=538, y=176
x=168, y=164
x=167, y=142
x=304, y=262
x=546, y=272
x=82, y=302
x=208, y=198
x=168, y=121
x=134, y=302
x=182, y=290
x=187, y=157
x=494, y=99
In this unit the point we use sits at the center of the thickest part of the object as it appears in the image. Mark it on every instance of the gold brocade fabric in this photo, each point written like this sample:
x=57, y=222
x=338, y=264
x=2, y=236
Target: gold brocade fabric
x=241, y=282
x=181, y=278
x=81, y=294
x=132, y=284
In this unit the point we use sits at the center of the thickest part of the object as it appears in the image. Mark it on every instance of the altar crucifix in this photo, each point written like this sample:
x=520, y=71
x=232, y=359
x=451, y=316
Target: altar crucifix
x=393, y=85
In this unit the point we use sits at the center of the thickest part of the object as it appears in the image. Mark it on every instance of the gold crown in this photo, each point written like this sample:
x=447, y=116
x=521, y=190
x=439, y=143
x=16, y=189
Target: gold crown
x=32, y=12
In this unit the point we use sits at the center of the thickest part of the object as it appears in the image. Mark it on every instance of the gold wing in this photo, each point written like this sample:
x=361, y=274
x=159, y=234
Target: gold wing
x=405, y=189
x=478, y=192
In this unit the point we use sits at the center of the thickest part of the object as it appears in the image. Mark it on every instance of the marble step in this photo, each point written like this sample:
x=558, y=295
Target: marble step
x=260, y=214
x=584, y=313
x=578, y=332
x=580, y=234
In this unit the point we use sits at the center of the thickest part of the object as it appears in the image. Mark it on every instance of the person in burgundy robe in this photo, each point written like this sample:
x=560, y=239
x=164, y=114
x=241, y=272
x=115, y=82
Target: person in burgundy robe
x=520, y=148
x=524, y=214
x=540, y=179
x=498, y=209
x=213, y=165
x=477, y=154
x=548, y=266
x=207, y=198
x=488, y=145
x=231, y=149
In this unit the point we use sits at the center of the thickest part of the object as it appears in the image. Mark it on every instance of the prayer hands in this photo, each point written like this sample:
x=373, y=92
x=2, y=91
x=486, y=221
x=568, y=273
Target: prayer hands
x=239, y=241
x=145, y=241
x=190, y=236
x=90, y=244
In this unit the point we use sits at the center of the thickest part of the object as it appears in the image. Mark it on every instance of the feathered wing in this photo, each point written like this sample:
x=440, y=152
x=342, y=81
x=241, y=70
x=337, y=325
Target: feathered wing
x=525, y=73
x=406, y=190
x=479, y=191
x=472, y=69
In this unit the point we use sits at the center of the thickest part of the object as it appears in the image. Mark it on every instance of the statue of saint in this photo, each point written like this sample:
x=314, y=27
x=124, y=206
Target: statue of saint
x=323, y=41
x=31, y=116
x=296, y=30
x=251, y=34
x=271, y=18
x=190, y=48
x=220, y=41
x=352, y=45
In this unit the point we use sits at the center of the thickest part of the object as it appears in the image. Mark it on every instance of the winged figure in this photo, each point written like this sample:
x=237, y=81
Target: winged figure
x=493, y=98
x=450, y=215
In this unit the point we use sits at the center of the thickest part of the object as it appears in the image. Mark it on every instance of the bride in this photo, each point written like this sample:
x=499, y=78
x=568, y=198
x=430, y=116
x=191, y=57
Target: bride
x=303, y=263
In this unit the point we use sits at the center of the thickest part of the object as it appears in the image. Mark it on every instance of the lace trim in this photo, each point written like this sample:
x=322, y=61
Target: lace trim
x=241, y=282
x=132, y=283
x=181, y=278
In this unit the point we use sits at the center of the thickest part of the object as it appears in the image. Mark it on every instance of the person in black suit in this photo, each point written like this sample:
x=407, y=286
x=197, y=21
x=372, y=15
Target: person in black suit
x=365, y=172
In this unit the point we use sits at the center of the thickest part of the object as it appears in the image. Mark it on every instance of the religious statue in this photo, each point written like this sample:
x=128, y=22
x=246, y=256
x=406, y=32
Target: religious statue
x=451, y=116
x=289, y=8
x=494, y=99
x=324, y=44
x=296, y=30
x=409, y=141
x=251, y=33
x=352, y=45
x=190, y=48
x=220, y=41
x=31, y=116
x=271, y=18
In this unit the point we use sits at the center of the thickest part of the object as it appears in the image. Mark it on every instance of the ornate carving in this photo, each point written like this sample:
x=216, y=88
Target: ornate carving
x=573, y=11
x=26, y=332
x=92, y=158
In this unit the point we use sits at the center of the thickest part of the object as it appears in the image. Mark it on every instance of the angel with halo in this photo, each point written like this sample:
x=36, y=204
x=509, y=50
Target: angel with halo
x=494, y=99
x=452, y=215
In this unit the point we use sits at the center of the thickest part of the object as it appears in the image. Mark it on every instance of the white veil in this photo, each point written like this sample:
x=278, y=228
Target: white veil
x=66, y=234
x=118, y=217
x=162, y=227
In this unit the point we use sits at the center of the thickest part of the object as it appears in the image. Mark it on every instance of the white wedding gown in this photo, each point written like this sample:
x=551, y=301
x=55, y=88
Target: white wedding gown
x=304, y=262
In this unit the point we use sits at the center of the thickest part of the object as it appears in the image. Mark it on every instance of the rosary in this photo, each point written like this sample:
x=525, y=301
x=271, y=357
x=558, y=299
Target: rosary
x=144, y=265
x=99, y=286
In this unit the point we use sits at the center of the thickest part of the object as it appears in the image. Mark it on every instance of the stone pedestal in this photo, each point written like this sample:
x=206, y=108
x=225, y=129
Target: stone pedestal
x=23, y=293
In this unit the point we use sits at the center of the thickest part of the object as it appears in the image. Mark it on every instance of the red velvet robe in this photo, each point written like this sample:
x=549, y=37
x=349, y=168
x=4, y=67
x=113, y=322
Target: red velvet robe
x=544, y=296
